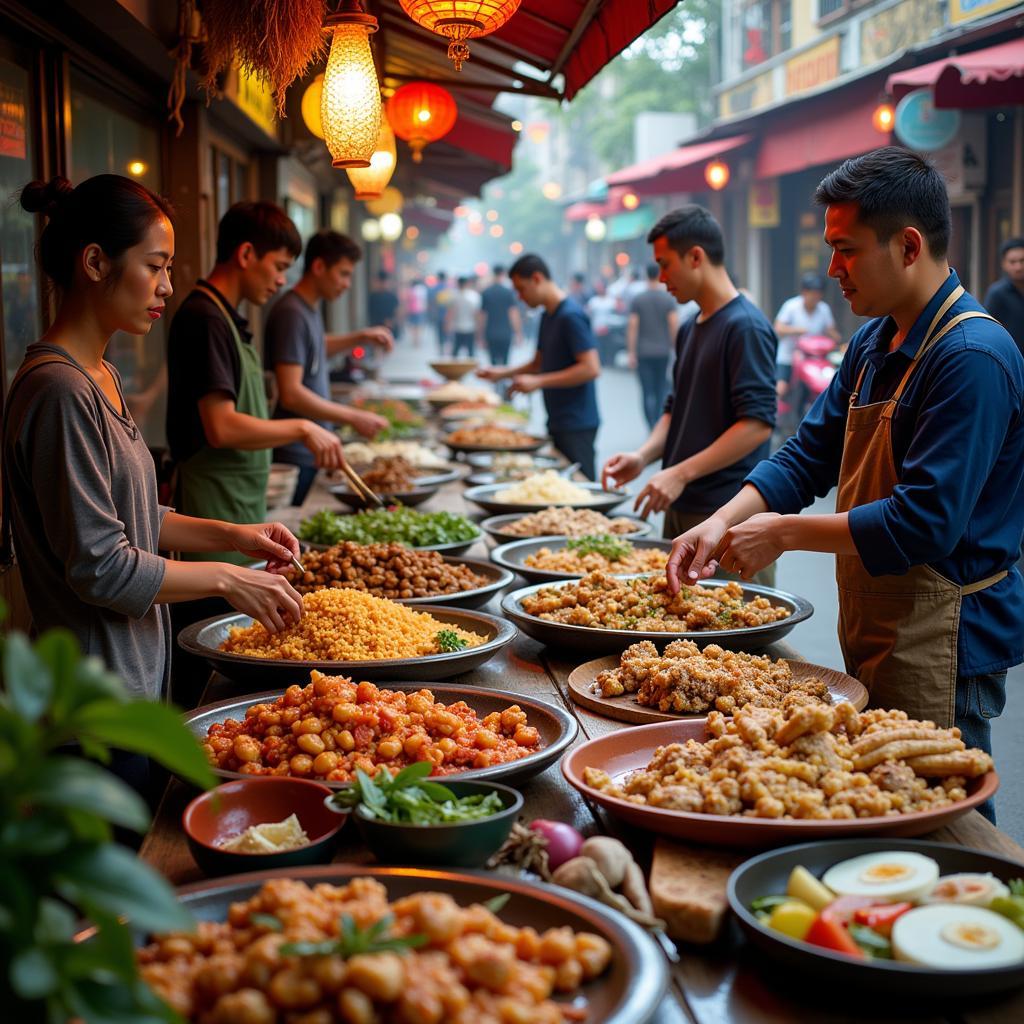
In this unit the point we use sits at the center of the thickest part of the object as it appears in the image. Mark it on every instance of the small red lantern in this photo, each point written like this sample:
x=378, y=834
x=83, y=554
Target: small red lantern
x=420, y=113
x=716, y=174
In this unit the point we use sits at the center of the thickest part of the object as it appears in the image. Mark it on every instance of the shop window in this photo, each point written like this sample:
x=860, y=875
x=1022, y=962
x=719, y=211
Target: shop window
x=20, y=275
x=230, y=180
x=767, y=27
x=109, y=138
x=832, y=10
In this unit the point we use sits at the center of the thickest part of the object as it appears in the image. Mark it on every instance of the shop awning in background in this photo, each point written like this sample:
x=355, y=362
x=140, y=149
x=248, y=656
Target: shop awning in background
x=992, y=77
x=585, y=210
x=631, y=224
x=826, y=133
x=682, y=170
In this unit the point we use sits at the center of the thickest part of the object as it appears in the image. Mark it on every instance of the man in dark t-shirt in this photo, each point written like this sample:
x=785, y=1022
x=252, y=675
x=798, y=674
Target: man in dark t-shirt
x=564, y=366
x=718, y=419
x=298, y=350
x=1005, y=299
x=653, y=316
x=383, y=304
x=499, y=317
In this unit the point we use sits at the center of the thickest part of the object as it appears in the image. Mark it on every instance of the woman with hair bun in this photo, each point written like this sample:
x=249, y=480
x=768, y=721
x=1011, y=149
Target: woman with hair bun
x=79, y=482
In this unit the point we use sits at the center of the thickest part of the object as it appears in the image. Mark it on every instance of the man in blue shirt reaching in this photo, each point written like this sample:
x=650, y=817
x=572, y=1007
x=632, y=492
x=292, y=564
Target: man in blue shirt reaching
x=564, y=366
x=922, y=429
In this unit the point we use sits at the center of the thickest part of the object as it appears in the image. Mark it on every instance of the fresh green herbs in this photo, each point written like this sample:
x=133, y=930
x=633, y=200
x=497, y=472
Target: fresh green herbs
x=763, y=906
x=355, y=941
x=410, y=798
x=449, y=641
x=875, y=945
x=612, y=548
x=401, y=525
x=497, y=903
x=266, y=921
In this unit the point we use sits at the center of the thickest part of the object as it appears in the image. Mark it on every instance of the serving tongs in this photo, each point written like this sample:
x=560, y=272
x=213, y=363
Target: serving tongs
x=361, y=487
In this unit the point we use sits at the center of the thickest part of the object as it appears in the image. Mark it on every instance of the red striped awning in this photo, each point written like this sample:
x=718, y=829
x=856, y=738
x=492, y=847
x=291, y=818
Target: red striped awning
x=681, y=170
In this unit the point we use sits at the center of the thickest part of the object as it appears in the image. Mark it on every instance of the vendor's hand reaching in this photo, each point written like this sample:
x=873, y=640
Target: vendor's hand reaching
x=691, y=558
x=621, y=468
x=268, y=598
x=272, y=541
x=660, y=491
x=749, y=547
x=524, y=383
x=367, y=424
x=379, y=336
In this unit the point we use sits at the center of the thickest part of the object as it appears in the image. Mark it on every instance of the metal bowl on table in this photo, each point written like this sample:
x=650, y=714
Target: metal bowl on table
x=556, y=726
x=612, y=641
x=410, y=498
x=529, y=443
x=514, y=554
x=486, y=497
x=203, y=639
x=497, y=527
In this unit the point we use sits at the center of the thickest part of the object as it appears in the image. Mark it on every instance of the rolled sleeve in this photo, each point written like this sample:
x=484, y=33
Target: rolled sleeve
x=752, y=373
x=79, y=519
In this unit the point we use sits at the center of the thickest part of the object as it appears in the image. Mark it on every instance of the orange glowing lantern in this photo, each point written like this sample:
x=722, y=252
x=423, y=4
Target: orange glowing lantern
x=630, y=200
x=459, y=20
x=370, y=182
x=716, y=174
x=421, y=113
x=883, y=118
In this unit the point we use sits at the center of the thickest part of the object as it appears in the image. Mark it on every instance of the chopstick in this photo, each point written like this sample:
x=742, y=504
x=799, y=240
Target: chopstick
x=299, y=567
x=361, y=489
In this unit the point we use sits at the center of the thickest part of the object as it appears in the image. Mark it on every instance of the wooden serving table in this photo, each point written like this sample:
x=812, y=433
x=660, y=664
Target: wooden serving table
x=724, y=984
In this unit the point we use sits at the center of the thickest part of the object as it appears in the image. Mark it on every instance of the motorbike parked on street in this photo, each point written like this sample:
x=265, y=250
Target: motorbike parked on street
x=816, y=358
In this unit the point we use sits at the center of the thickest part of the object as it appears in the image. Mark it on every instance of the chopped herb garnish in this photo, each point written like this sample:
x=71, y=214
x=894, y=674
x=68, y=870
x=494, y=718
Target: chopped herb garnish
x=356, y=941
x=266, y=921
x=612, y=548
x=448, y=641
x=497, y=903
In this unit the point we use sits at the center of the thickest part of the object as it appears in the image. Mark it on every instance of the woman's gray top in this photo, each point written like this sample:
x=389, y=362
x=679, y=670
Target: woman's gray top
x=86, y=521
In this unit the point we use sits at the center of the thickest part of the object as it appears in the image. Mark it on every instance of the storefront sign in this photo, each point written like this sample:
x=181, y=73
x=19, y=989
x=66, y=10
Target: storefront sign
x=968, y=10
x=12, y=121
x=813, y=67
x=920, y=126
x=898, y=27
x=257, y=101
x=963, y=162
x=752, y=95
x=763, y=204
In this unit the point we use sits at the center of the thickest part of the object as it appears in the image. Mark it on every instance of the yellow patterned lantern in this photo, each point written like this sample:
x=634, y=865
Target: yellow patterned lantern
x=459, y=20
x=391, y=201
x=370, y=182
x=350, y=105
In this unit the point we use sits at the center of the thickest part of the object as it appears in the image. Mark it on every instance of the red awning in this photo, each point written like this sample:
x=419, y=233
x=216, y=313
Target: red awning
x=682, y=170
x=993, y=77
x=825, y=133
x=584, y=210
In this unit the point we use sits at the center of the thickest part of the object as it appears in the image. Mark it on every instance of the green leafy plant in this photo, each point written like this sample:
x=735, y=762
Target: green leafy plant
x=60, y=716
x=612, y=548
x=448, y=641
x=355, y=941
x=411, y=798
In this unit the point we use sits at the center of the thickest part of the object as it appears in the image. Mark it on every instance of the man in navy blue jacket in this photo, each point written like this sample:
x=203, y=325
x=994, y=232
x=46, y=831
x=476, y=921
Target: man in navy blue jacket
x=922, y=429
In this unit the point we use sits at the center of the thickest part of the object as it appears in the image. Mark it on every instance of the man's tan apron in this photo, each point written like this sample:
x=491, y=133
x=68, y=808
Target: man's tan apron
x=227, y=483
x=898, y=633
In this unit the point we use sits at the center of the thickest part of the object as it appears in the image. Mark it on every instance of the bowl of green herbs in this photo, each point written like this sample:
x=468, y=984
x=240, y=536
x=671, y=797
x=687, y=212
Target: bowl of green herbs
x=409, y=818
x=448, y=532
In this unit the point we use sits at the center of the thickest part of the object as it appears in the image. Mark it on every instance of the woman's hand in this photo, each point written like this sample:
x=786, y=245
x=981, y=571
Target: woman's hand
x=272, y=541
x=267, y=598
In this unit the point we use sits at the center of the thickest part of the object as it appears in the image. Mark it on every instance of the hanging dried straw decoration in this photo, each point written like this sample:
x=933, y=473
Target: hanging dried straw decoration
x=274, y=40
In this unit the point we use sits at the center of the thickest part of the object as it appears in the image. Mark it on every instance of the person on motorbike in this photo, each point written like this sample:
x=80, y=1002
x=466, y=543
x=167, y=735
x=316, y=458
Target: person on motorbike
x=806, y=313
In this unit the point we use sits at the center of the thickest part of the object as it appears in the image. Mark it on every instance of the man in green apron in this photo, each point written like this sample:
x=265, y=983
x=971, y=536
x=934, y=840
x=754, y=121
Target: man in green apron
x=922, y=429
x=218, y=424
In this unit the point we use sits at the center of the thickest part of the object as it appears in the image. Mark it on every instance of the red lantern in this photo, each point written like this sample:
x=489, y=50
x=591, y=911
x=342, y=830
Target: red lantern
x=421, y=113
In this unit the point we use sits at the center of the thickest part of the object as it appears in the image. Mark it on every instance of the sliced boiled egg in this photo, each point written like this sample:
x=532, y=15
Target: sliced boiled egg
x=951, y=936
x=891, y=877
x=966, y=889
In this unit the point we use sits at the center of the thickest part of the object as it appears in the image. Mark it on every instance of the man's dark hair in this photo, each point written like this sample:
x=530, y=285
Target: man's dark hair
x=383, y=276
x=812, y=283
x=893, y=189
x=579, y=278
x=263, y=224
x=498, y=269
x=1011, y=243
x=529, y=264
x=331, y=246
x=653, y=271
x=688, y=226
x=463, y=281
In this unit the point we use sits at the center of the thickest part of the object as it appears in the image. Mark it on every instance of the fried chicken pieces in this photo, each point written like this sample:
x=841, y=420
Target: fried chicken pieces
x=686, y=680
x=805, y=760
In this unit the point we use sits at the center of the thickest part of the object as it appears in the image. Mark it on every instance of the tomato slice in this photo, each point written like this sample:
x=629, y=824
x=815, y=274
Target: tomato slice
x=842, y=908
x=880, y=918
x=829, y=932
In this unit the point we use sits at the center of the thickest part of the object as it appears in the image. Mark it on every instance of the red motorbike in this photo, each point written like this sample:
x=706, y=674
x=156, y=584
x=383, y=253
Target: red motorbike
x=816, y=358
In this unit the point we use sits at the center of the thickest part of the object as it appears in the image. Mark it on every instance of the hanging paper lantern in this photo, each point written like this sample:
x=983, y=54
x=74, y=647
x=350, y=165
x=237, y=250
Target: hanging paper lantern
x=311, y=106
x=350, y=106
x=391, y=201
x=391, y=227
x=369, y=182
x=421, y=113
x=459, y=20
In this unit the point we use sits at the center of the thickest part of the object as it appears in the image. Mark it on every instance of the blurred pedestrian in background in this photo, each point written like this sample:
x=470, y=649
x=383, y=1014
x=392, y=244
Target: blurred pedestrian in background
x=650, y=333
x=803, y=314
x=415, y=302
x=1005, y=299
x=461, y=318
x=498, y=320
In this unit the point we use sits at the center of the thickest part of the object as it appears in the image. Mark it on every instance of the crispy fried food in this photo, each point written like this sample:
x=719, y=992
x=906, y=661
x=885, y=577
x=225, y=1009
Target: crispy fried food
x=687, y=680
x=801, y=761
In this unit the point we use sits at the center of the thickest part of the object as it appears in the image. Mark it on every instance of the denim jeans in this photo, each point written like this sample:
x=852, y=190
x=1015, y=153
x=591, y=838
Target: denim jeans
x=463, y=340
x=979, y=699
x=307, y=474
x=577, y=446
x=653, y=384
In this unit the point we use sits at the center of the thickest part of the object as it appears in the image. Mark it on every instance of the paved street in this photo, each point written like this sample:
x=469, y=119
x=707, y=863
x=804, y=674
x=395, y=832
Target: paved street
x=804, y=573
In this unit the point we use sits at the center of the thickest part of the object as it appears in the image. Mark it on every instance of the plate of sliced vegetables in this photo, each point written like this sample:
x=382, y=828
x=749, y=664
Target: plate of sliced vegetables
x=907, y=917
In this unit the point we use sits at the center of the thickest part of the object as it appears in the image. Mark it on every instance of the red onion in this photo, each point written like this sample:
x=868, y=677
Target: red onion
x=563, y=840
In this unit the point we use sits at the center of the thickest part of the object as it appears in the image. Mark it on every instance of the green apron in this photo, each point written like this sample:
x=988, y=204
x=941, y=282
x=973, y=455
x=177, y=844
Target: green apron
x=224, y=483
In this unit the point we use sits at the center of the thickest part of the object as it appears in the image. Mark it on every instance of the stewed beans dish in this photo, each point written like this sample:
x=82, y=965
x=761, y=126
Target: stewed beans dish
x=332, y=726
x=384, y=570
x=282, y=957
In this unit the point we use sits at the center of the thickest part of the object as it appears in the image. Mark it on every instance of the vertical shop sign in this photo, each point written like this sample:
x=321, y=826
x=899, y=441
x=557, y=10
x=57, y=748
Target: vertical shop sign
x=763, y=204
x=13, y=118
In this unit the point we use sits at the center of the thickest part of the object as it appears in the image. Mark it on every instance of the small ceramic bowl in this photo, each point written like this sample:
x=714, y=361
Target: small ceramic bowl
x=227, y=810
x=463, y=844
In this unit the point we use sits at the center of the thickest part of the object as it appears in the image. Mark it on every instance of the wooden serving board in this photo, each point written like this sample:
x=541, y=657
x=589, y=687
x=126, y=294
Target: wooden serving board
x=626, y=709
